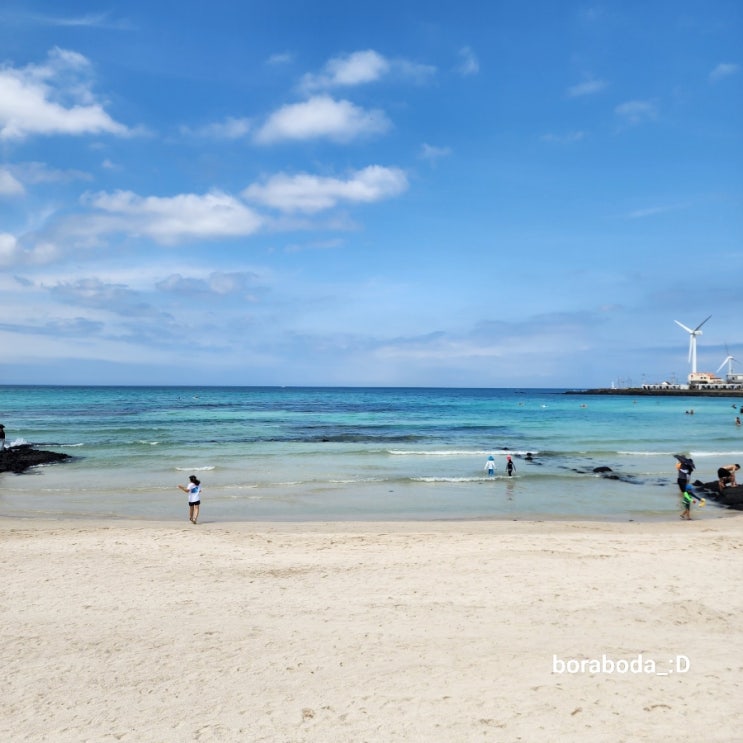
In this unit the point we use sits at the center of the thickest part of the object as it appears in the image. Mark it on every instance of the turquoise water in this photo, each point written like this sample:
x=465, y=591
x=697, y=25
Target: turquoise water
x=359, y=454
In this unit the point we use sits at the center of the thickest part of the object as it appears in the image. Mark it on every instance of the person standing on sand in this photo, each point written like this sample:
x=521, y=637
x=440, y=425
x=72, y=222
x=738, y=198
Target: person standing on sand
x=510, y=467
x=686, y=499
x=490, y=466
x=194, y=497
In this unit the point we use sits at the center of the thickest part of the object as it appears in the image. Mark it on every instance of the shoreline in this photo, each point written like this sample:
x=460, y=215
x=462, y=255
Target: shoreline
x=13, y=522
x=732, y=523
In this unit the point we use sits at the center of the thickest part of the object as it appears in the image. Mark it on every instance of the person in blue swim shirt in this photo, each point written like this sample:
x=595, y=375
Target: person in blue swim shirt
x=686, y=499
x=194, y=497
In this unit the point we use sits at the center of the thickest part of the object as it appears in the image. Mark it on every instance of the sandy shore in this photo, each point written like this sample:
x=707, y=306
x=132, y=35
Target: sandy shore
x=371, y=632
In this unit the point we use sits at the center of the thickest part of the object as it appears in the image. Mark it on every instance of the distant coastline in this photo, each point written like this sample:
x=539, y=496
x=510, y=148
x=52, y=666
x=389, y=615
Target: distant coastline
x=645, y=392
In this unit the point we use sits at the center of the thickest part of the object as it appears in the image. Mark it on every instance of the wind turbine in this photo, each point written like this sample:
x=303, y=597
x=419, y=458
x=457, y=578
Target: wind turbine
x=729, y=361
x=693, y=342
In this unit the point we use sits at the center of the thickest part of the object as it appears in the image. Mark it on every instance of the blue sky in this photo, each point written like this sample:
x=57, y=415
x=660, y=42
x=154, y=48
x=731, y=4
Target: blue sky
x=497, y=193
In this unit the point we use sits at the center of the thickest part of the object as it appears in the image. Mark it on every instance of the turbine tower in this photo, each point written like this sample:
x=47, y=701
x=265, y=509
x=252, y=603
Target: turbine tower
x=693, y=342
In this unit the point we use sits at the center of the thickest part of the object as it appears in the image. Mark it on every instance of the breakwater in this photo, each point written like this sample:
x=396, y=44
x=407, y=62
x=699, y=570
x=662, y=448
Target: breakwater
x=645, y=392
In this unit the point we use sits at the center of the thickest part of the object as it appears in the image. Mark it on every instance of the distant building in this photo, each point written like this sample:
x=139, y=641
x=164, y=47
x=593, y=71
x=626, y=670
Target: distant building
x=701, y=381
x=709, y=381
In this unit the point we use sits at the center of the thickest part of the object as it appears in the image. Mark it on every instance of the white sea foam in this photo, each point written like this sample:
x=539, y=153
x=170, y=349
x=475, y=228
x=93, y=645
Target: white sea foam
x=459, y=452
x=451, y=479
x=703, y=454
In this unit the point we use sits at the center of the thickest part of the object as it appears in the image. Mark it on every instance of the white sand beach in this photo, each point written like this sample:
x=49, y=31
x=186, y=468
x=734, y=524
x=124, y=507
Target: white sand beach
x=456, y=631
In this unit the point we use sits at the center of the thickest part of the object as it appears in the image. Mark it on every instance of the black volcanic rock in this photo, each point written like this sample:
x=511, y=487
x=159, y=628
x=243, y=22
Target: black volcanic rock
x=19, y=458
x=732, y=497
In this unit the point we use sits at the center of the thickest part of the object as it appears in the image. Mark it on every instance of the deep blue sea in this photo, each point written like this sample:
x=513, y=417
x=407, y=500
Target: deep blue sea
x=266, y=453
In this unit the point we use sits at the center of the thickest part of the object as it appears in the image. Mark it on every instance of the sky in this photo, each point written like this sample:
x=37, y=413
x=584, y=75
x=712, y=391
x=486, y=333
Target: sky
x=491, y=193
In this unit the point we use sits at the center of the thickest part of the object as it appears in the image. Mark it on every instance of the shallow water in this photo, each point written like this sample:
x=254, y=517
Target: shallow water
x=359, y=454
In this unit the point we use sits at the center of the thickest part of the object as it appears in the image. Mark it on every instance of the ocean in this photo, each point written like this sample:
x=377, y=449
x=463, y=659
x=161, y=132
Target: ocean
x=311, y=454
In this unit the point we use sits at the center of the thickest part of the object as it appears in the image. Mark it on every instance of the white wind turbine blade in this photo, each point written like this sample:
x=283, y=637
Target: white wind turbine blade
x=729, y=358
x=680, y=324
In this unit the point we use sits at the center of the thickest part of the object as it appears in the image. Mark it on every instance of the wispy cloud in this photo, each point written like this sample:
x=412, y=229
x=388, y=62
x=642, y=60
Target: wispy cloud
x=469, y=64
x=311, y=193
x=637, y=112
x=567, y=138
x=654, y=211
x=230, y=128
x=89, y=20
x=92, y=292
x=279, y=59
x=587, y=87
x=433, y=154
x=321, y=117
x=52, y=98
x=9, y=185
x=723, y=70
x=36, y=172
x=221, y=283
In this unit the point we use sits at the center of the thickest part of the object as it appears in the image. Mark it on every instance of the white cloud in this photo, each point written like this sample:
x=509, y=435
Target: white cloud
x=723, y=70
x=230, y=128
x=12, y=252
x=311, y=193
x=171, y=219
x=322, y=117
x=587, y=87
x=363, y=67
x=469, y=64
x=9, y=185
x=354, y=69
x=52, y=98
x=636, y=112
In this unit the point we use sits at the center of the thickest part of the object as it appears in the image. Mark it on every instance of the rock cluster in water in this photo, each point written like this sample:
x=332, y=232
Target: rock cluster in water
x=19, y=458
x=730, y=497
